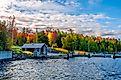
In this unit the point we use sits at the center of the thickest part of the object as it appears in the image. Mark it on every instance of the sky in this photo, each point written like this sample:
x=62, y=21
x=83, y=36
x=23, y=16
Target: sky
x=89, y=17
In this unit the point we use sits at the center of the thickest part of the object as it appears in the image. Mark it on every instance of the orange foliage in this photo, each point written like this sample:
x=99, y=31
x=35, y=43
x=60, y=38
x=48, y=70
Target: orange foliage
x=29, y=36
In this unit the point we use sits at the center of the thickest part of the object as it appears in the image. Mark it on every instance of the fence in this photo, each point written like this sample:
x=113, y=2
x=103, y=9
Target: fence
x=5, y=54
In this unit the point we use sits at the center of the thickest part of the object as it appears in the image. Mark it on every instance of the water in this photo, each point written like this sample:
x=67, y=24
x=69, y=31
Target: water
x=62, y=69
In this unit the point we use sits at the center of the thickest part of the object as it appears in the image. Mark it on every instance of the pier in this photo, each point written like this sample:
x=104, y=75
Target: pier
x=89, y=55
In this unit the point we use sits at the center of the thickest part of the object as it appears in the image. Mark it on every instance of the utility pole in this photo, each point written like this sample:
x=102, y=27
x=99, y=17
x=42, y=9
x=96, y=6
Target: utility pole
x=36, y=34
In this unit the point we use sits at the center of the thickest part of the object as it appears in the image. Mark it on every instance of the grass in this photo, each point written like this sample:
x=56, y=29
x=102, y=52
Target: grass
x=27, y=52
x=66, y=51
x=81, y=52
x=18, y=50
x=61, y=50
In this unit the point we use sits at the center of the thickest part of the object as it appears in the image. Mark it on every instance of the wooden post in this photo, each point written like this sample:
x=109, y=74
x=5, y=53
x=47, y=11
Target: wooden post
x=114, y=56
x=67, y=55
x=104, y=55
x=89, y=55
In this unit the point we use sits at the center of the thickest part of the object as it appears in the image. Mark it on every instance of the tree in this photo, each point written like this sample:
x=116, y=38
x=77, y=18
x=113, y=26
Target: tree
x=68, y=42
x=4, y=35
x=42, y=38
x=93, y=46
x=77, y=42
x=31, y=38
x=21, y=40
x=83, y=44
x=22, y=37
x=58, y=41
x=52, y=37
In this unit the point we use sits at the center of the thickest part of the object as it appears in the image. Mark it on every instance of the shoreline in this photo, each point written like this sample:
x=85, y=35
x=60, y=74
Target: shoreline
x=63, y=56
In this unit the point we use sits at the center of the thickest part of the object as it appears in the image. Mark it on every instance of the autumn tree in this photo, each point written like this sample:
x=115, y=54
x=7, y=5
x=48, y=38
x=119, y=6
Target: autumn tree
x=22, y=37
x=52, y=37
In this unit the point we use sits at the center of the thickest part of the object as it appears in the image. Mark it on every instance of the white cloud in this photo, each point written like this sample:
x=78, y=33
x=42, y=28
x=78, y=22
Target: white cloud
x=49, y=13
x=100, y=16
x=111, y=33
x=5, y=3
x=82, y=23
x=36, y=6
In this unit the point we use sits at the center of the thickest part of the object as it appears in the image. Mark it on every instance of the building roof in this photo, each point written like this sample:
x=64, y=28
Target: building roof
x=34, y=45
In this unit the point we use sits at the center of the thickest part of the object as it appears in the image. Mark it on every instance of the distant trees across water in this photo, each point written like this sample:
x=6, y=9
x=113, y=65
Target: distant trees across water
x=71, y=41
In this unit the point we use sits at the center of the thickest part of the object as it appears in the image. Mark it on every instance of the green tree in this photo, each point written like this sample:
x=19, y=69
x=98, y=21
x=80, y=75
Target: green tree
x=21, y=41
x=60, y=36
x=83, y=44
x=4, y=35
x=42, y=38
x=93, y=46
x=68, y=42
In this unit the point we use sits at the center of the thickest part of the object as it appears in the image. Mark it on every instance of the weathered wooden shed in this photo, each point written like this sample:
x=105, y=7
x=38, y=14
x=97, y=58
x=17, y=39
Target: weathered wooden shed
x=38, y=49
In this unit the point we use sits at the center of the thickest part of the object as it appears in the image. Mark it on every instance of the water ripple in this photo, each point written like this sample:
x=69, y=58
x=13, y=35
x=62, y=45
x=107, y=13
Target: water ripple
x=61, y=69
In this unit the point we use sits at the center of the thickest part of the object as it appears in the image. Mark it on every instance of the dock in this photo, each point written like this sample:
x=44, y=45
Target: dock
x=89, y=55
x=56, y=56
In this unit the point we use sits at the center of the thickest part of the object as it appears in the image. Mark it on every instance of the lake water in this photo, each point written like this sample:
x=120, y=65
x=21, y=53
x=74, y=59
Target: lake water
x=61, y=69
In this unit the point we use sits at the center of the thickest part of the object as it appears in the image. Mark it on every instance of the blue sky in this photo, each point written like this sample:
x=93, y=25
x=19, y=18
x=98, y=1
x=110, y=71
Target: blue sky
x=90, y=17
x=111, y=8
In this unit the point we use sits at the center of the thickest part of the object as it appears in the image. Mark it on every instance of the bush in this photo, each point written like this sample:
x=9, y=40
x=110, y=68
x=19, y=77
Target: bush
x=16, y=49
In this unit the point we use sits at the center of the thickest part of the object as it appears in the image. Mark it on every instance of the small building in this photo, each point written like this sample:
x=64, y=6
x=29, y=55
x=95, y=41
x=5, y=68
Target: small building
x=38, y=49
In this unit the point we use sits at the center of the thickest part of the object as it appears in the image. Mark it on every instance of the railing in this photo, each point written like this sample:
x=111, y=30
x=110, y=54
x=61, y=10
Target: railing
x=5, y=54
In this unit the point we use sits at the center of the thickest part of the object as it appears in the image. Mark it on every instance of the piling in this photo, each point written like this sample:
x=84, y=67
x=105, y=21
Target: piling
x=89, y=56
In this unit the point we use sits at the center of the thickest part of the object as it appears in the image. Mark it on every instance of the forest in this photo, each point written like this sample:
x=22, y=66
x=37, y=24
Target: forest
x=9, y=36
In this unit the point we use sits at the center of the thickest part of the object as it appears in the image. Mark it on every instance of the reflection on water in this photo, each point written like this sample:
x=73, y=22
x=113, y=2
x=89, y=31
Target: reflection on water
x=62, y=69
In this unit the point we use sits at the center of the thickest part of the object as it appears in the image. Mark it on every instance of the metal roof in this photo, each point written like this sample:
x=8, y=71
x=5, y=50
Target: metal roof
x=33, y=45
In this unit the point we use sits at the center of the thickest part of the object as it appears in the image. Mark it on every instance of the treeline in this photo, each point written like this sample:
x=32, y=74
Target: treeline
x=71, y=41
x=90, y=44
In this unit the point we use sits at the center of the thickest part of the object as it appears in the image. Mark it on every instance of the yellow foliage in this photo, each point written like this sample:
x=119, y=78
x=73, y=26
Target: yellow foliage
x=27, y=52
x=61, y=50
x=81, y=52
